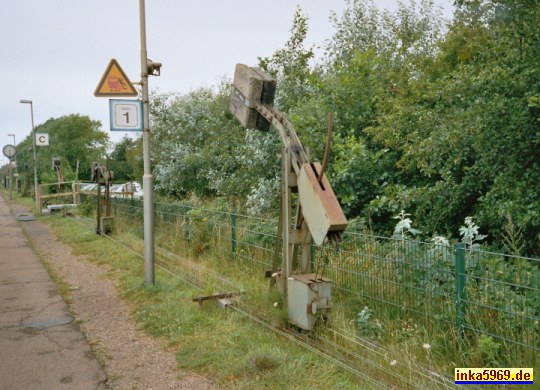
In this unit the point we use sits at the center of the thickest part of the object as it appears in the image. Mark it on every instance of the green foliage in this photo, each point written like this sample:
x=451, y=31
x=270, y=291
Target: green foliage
x=488, y=350
x=75, y=139
x=290, y=65
x=87, y=207
x=200, y=149
x=196, y=231
x=438, y=118
x=404, y=227
x=119, y=161
x=469, y=234
x=462, y=133
x=365, y=324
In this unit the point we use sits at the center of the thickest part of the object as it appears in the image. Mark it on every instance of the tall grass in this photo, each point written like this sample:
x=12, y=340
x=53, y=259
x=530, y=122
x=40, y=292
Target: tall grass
x=205, y=239
x=222, y=345
x=394, y=310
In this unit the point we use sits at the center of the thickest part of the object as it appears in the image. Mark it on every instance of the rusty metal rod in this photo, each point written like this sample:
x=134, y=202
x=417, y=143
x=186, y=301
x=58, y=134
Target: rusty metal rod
x=329, y=128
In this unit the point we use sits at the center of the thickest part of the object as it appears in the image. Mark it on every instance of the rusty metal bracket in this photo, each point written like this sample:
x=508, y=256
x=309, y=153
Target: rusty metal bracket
x=200, y=299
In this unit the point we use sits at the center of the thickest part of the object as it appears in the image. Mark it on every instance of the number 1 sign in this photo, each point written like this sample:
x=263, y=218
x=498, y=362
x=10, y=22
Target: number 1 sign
x=125, y=115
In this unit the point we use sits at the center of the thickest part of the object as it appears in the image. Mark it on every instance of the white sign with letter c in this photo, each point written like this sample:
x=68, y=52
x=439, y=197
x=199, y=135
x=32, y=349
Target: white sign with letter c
x=42, y=139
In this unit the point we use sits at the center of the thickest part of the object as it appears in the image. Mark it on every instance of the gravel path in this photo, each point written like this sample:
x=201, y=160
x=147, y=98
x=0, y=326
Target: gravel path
x=131, y=358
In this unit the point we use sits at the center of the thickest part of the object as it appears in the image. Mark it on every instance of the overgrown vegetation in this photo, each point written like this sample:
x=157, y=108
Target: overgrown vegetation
x=75, y=139
x=386, y=290
x=436, y=138
x=439, y=118
x=223, y=345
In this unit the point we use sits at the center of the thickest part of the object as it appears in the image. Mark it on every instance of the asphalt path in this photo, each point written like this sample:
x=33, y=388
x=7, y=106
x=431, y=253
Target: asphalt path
x=41, y=347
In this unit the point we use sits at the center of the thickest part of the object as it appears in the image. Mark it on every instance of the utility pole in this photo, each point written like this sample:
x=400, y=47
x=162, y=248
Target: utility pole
x=147, y=67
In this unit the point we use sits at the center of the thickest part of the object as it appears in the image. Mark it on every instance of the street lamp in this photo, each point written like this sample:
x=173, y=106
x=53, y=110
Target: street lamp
x=36, y=188
x=16, y=168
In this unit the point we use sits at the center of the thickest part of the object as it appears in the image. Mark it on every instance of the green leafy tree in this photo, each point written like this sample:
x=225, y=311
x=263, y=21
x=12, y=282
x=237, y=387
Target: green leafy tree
x=370, y=63
x=199, y=148
x=290, y=65
x=75, y=139
x=439, y=119
x=119, y=159
x=464, y=133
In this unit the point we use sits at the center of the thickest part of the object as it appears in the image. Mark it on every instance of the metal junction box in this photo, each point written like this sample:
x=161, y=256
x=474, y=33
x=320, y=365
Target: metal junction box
x=308, y=297
x=106, y=225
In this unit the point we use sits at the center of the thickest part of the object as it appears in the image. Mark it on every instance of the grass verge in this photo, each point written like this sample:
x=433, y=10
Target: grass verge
x=216, y=343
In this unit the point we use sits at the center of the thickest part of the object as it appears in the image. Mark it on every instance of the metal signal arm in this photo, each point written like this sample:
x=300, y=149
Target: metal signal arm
x=318, y=213
x=287, y=133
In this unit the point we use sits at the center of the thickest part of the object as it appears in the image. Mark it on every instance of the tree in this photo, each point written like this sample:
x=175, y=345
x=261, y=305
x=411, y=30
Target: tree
x=290, y=65
x=465, y=132
x=76, y=140
x=441, y=121
x=199, y=148
x=370, y=63
x=119, y=159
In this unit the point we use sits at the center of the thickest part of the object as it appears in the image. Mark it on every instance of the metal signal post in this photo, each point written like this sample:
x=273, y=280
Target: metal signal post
x=152, y=68
x=115, y=82
x=147, y=176
x=318, y=214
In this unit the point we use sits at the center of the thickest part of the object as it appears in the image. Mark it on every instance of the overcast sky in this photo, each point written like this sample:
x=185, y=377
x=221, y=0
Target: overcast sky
x=54, y=52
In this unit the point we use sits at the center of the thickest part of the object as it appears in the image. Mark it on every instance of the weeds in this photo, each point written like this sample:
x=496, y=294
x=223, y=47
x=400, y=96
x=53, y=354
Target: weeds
x=470, y=235
x=397, y=292
x=210, y=341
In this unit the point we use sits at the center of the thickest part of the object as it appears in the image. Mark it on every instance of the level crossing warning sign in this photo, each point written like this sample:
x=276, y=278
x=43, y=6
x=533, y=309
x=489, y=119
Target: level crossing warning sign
x=114, y=82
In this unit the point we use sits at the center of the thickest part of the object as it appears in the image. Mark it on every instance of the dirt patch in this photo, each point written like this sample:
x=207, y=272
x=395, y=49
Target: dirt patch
x=131, y=358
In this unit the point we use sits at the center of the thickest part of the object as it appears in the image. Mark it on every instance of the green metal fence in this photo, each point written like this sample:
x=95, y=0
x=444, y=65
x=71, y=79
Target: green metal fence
x=468, y=292
x=473, y=291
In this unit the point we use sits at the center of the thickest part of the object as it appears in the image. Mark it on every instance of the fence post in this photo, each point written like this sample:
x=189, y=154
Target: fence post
x=459, y=260
x=233, y=233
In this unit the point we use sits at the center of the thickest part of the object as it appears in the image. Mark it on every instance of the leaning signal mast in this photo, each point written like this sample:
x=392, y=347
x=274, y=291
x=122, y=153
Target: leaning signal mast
x=318, y=214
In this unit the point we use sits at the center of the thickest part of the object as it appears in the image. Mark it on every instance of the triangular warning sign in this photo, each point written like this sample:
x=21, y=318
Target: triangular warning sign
x=114, y=82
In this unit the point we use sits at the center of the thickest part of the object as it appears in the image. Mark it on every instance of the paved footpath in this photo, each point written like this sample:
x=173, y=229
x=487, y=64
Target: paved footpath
x=40, y=345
